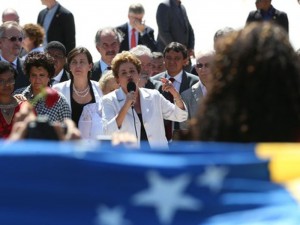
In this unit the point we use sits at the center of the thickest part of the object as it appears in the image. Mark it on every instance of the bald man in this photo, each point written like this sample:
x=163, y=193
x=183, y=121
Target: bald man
x=10, y=14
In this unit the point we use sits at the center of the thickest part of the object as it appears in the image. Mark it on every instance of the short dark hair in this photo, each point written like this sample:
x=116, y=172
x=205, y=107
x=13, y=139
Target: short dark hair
x=56, y=45
x=5, y=67
x=39, y=59
x=177, y=47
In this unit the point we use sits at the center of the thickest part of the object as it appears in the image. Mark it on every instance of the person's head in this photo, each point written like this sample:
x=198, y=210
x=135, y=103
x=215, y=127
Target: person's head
x=11, y=37
x=263, y=4
x=39, y=66
x=107, y=42
x=58, y=51
x=203, y=65
x=10, y=14
x=220, y=34
x=136, y=13
x=7, y=78
x=126, y=67
x=80, y=62
x=175, y=57
x=33, y=36
x=108, y=82
x=158, y=63
x=255, y=93
x=48, y=3
x=143, y=53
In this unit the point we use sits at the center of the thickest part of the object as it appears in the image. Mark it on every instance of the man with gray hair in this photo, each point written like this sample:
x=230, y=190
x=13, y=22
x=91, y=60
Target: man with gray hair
x=107, y=41
x=11, y=37
x=135, y=31
x=143, y=53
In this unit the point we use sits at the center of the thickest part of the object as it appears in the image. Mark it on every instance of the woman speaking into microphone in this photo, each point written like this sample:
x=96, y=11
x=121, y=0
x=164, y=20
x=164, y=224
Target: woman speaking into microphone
x=139, y=111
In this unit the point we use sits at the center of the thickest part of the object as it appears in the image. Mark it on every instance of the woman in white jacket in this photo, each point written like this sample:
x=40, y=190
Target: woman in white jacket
x=79, y=90
x=139, y=111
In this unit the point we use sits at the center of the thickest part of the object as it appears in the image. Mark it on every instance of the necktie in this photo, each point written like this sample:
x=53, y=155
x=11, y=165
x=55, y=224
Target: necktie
x=108, y=68
x=133, y=40
x=51, y=82
x=169, y=123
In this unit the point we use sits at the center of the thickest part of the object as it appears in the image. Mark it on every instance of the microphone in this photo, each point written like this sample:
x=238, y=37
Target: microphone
x=131, y=86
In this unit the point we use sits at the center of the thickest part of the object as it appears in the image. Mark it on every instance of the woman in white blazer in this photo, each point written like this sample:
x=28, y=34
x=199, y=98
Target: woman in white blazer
x=139, y=111
x=79, y=90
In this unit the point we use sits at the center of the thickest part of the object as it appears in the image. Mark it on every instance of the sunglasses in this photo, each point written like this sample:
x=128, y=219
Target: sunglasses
x=14, y=38
x=201, y=65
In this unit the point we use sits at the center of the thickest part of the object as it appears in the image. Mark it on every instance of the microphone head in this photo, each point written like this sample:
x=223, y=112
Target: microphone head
x=131, y=86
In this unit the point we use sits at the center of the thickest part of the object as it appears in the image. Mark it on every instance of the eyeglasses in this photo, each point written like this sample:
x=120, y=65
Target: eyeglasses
x=201, y=65
x=7, y=82
x=14, y=38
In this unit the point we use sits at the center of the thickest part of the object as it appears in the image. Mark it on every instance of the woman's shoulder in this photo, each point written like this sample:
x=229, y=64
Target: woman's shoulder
x=61, y=85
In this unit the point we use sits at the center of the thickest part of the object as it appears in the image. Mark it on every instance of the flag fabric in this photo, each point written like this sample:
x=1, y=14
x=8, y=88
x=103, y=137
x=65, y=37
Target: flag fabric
x=49, y=183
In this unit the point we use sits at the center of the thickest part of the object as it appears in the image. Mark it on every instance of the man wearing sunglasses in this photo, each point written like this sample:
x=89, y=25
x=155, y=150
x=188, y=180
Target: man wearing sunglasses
x=11, y=37
x=266, y=12
x=194, y=95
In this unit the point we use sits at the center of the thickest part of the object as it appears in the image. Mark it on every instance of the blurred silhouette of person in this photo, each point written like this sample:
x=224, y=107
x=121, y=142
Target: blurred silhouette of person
x=10, y=14
x=33, y=38
x=158, y=63
x=58, y=23
x=174, y=26
x=266, y=12
x=255, y=90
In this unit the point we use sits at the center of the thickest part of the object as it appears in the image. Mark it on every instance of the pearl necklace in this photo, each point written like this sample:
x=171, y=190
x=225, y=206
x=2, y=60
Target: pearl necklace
x=83, y=93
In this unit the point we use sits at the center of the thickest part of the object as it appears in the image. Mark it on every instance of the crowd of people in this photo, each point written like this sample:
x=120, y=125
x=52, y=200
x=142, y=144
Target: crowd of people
x=246, y=89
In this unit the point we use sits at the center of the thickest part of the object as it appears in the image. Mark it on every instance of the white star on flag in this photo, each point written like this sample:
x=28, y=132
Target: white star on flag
x=167, y=196
x=111, y=216
x=213, y=177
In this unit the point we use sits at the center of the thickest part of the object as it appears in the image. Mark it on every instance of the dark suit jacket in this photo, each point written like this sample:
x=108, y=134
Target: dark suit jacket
x=22, y=80
x=146, y=39
x=96, y=71
x=173, y=25
x=62, y=27
x=188, y=80
x=278, y=17
x=65, y=76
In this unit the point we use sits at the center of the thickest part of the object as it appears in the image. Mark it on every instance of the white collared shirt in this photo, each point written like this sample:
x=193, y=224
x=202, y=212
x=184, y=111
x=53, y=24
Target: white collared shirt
x=57, y=78
x=13, y=62
x=178, y=80
x=103, y=65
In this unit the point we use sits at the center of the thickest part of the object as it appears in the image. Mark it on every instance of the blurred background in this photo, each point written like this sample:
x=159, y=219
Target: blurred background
x=206, y=17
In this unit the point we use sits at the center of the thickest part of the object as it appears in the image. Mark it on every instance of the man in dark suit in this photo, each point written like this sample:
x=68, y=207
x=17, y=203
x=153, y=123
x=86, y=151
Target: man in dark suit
x=11, y=37
x=107, y=42
x=58, y=51
x=137, y=30
x=58, y=23
x=266, y=12
x=176, y=57
x=174, y=26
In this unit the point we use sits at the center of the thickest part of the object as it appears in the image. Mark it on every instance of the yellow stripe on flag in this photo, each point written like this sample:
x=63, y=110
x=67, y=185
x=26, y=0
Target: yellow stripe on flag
x=284, y=160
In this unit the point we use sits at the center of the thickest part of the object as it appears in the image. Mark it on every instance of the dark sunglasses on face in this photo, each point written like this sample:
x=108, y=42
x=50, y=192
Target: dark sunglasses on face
x=14, y=38
x=201, y=65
